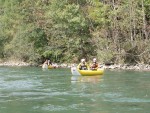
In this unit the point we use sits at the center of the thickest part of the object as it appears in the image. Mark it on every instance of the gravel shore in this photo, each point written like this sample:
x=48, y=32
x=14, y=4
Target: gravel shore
x=14, y=63
x=139, y=67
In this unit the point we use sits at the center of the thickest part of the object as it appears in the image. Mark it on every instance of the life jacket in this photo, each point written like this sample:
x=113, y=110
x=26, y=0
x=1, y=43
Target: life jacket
x=83, y=66
x=94, y=65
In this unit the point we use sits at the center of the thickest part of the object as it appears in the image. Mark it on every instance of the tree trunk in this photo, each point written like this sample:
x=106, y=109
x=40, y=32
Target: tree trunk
x=144, y=21
x=131, y=21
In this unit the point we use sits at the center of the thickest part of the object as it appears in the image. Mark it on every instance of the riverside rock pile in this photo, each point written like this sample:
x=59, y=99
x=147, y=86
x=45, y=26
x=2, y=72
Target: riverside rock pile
x=142, y=67
x=14, y=63
x=138, y=67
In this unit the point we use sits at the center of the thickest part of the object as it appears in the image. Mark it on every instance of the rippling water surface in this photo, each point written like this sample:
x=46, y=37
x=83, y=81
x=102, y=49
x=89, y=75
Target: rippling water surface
x=33, y=90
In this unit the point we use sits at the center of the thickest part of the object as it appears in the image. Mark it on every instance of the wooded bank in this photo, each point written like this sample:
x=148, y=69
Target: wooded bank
x=115, y=31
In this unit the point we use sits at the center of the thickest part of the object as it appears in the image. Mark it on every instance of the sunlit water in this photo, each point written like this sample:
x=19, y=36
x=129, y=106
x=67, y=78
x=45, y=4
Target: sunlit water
x=33, y=90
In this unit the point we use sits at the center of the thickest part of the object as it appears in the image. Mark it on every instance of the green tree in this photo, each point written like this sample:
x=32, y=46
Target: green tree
x=69, y=31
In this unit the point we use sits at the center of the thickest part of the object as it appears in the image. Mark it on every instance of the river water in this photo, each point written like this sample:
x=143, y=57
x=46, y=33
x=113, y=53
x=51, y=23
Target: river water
x=33, y=90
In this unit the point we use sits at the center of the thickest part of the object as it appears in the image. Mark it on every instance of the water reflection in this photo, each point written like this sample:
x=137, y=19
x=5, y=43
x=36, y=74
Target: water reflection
x=92, y=79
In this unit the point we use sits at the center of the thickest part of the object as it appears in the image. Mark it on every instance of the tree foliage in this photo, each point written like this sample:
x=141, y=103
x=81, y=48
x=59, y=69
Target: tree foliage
x=68, y=30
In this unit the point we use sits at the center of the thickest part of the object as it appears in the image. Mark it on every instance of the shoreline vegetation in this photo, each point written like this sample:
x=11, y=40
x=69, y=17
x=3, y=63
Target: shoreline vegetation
x=115, y=31
x=136, y=67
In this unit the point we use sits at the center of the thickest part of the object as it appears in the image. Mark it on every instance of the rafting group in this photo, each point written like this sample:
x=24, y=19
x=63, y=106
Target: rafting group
x=87, y=70
x=84, y=66
x=82, y=69
x=48, y=65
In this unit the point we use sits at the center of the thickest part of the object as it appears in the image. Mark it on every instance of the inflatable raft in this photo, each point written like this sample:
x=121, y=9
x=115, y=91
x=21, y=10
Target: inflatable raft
x=76, y=71
x=45, y=66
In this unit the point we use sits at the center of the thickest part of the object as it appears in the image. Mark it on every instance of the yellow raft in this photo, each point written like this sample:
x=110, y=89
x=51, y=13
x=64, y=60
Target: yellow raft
x=45, y=66
x=76, y=71
x=91, y=72
x=51, y=67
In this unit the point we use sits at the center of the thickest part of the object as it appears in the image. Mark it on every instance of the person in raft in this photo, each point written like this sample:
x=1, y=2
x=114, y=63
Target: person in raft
x=49, y=62
x=83, y=65
x=94, y=65
x=45, y=64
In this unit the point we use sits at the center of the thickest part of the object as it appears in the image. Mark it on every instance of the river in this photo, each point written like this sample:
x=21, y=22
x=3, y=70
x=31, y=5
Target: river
x=33, y=90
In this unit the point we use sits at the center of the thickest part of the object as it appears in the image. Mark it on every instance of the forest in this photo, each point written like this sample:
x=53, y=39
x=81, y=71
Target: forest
x=115, y=31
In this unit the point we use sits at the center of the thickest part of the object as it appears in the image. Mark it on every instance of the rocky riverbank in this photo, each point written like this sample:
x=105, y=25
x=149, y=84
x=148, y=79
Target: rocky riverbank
x=137, y=67
x=14, y=63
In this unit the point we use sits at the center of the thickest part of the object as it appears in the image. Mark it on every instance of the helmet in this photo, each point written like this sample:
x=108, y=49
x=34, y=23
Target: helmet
x=82, y=60
x=94, y=59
